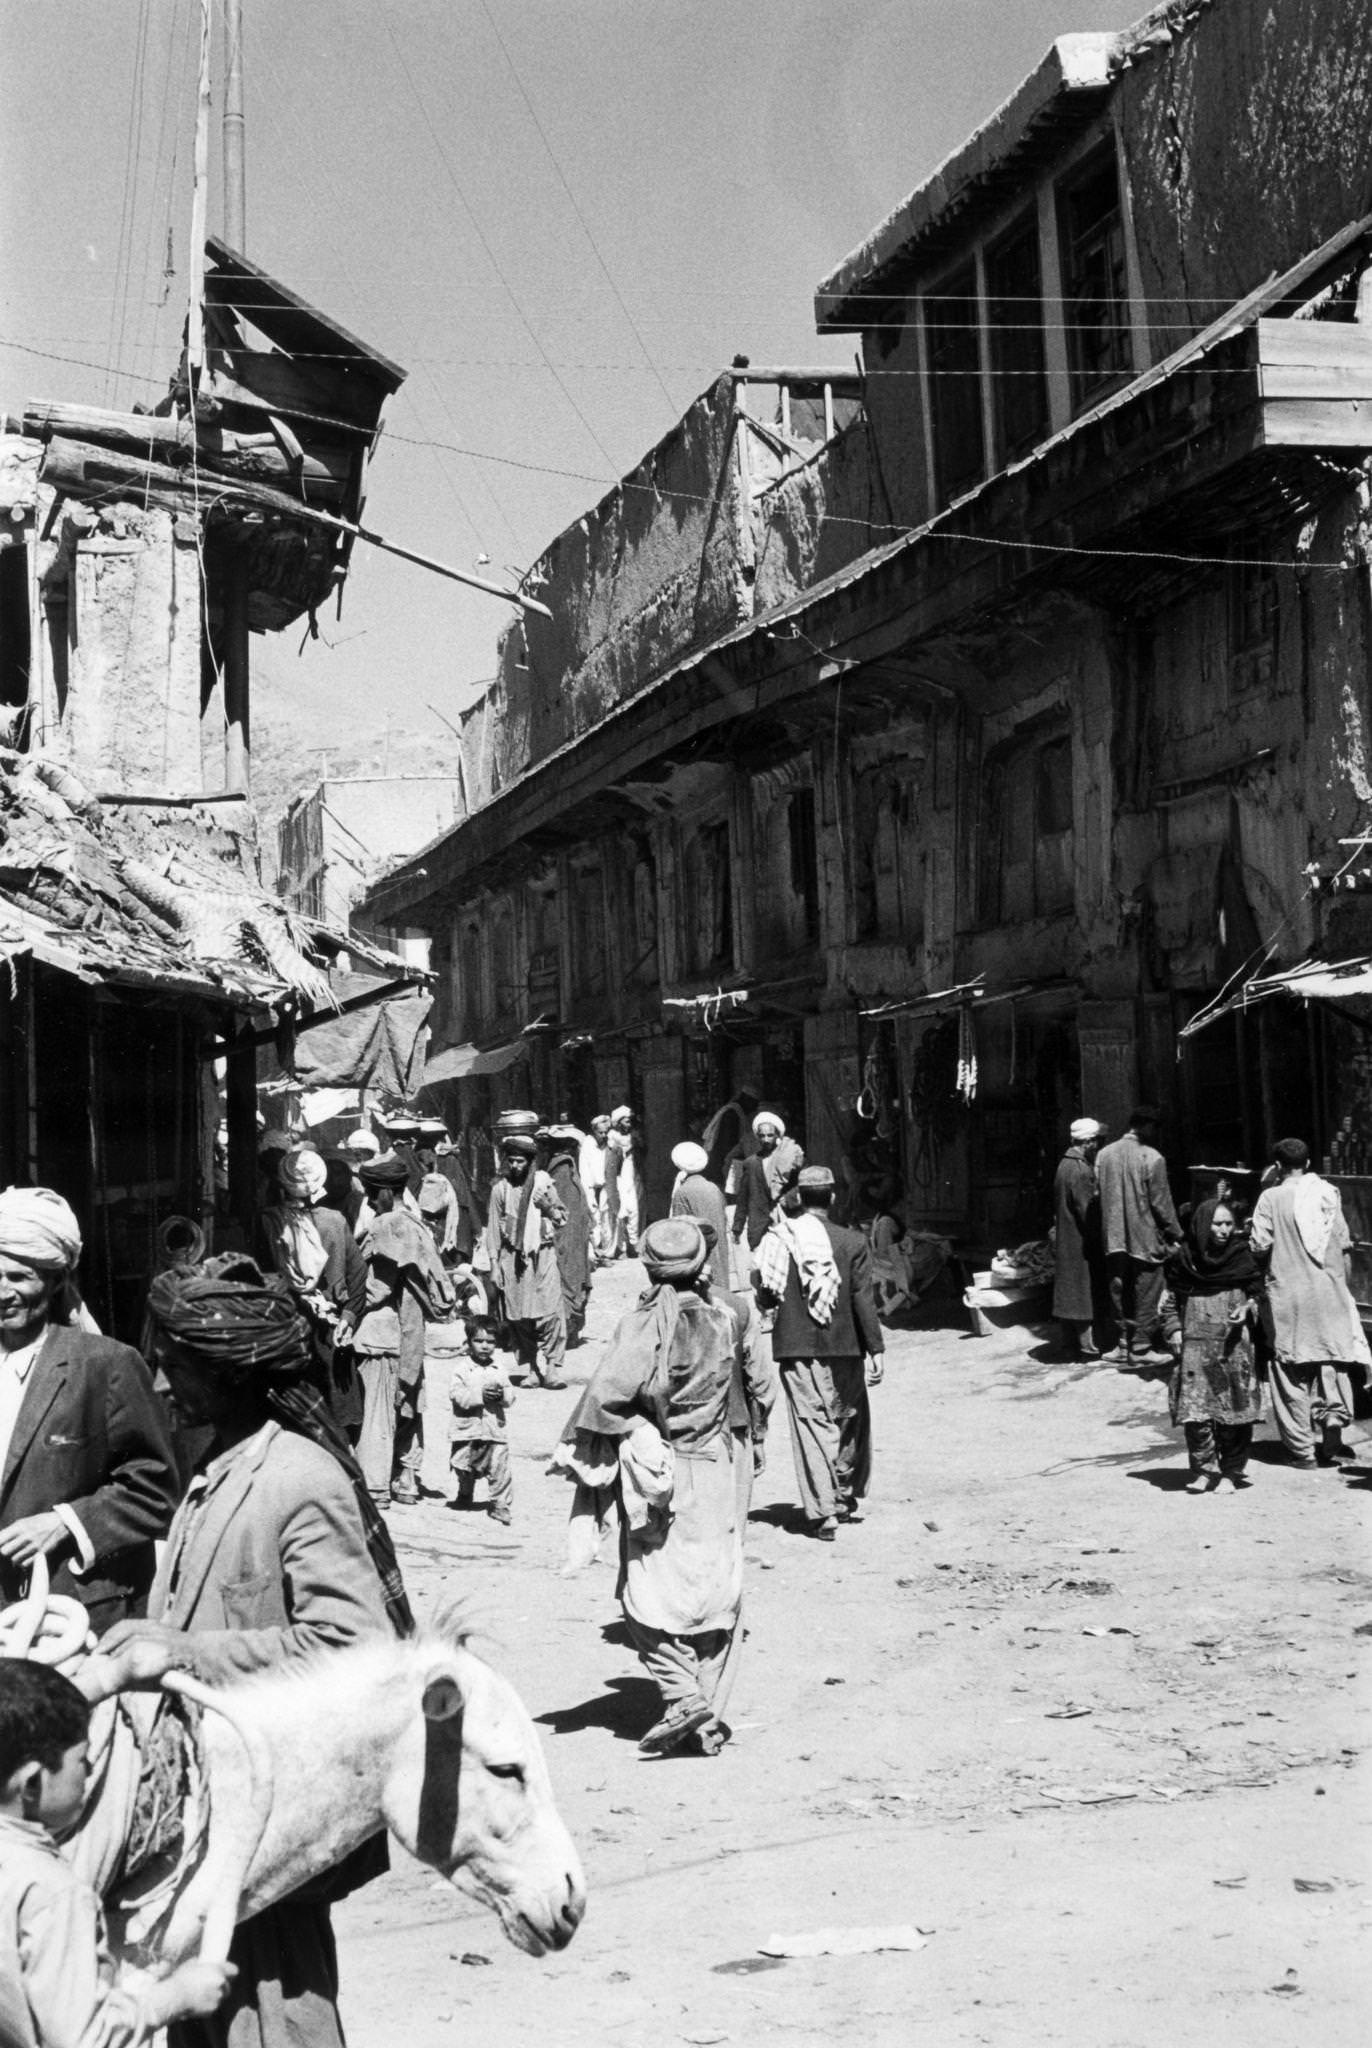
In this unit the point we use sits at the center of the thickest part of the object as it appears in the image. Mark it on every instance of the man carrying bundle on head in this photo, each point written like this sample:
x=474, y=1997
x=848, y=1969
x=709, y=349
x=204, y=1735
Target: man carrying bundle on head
x=818, y=1279
x=406, y=1288
x=521, y=1237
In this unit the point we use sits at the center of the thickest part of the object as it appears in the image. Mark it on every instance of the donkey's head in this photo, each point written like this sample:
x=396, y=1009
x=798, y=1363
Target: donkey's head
x=469, y=1793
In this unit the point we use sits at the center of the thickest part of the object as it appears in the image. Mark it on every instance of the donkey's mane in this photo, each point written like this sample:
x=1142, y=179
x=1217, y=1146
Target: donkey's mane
x=451, y=1626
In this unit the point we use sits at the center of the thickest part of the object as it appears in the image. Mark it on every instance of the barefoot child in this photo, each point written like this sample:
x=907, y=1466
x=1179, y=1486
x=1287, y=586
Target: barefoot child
x=58, y=1984
x=479, y=1432
x=1208, y=1315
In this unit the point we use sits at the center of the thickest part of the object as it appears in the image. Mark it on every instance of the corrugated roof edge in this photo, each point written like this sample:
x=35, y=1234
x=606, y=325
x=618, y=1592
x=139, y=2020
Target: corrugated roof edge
x=1083, y=64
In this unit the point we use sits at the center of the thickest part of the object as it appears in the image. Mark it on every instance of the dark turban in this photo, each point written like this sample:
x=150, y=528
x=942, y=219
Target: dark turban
x=244, y=1326
x=388, y=1170
x=233, y=1318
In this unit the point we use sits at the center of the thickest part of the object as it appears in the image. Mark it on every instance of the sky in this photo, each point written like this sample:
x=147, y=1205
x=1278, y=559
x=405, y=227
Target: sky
x=563, y=217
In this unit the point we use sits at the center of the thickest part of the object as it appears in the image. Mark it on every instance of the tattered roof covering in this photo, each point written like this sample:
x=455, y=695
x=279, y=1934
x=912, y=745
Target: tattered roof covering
x=160, y=899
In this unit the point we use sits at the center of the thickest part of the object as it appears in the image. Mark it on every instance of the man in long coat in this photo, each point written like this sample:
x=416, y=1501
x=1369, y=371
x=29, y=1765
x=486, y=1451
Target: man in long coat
x=521, y=1237
x=818, y=1278
x=1078, y=1259
x=695, y=1194
x=1140, y=1228
x=406, y=1288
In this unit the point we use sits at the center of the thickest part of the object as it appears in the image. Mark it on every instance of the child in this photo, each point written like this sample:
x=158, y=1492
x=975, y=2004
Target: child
x=58, y=1985
x=1208, y=1315
x=479, y=1433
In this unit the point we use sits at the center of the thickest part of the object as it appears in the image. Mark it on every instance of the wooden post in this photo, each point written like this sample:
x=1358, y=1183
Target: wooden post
x=240, y=1112
x=237, y=727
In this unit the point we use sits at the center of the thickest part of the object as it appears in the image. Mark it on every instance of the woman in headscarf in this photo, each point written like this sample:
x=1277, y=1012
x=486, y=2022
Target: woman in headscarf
x=276, y=1556
x=310, y=1245
x=672, y=1390
x=1209, y=1315
x=87, y=1469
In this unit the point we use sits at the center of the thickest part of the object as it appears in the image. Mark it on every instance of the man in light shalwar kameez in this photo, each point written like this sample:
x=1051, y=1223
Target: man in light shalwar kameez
x=521, y=1237
x=1300, y=1233
x=673, y=1389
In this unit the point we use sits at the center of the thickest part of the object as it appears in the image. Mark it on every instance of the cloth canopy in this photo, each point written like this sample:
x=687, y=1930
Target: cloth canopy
x=456, y=1062
x=1312, y=981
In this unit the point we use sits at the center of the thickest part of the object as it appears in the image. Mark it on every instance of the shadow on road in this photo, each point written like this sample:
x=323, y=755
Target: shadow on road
x=630, y=1706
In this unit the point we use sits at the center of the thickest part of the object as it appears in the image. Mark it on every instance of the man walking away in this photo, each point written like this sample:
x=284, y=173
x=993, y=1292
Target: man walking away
x=521, y=1238
x=1300, y=1232
x=695, y=1194
x=1077, y=1239
x=1140, y=1227
x=818, y=1278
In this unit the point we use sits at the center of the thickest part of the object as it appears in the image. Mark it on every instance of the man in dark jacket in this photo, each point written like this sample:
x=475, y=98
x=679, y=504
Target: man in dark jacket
x=87, y=1470
x=1077, y=1242
x=1140, y=1228
x=818, y=1278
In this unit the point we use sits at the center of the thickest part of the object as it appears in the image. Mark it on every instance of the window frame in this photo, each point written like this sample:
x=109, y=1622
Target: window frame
x=1087, y=381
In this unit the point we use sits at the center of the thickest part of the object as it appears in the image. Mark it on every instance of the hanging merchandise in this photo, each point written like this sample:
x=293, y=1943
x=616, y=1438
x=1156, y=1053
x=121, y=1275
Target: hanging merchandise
x=967, y=1055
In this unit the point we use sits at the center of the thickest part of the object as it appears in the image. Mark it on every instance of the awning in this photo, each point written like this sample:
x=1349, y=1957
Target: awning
x=974, y=993
x=1313, y=981
x=457, y=1062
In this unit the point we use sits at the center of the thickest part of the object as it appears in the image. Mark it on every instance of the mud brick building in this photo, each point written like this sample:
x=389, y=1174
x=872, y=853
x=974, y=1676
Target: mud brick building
x=142, y=963
x=926, y=749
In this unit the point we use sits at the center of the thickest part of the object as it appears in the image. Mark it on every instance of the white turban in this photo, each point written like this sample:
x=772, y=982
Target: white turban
x=690, y=1158
x=623, y=1115
x=768, y=1120
x=1084, y=1129
x=362, y=1141
x=39, y=1229
x=302, y=1176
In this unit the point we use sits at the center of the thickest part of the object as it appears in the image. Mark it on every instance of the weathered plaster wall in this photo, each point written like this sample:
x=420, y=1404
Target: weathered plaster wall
x=656, y=568
x=1248, y=141
x=818, y=516
x=117, y=670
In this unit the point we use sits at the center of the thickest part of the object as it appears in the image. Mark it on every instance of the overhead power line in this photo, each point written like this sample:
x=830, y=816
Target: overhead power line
x=585, y=225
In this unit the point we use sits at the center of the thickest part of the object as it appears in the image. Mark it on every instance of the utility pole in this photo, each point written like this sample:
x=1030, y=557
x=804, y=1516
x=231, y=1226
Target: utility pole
x=237, y=730
x=235, y=183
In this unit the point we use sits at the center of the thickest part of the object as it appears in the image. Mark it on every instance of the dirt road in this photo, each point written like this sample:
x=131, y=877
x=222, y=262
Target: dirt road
x=1101, y=1739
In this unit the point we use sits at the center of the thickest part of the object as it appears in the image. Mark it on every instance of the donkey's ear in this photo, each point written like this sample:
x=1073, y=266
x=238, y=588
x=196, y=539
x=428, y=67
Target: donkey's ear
x=442, y=1697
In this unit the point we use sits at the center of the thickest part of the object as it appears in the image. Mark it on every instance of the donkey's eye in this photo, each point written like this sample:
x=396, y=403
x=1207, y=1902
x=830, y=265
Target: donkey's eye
x=515, y=1771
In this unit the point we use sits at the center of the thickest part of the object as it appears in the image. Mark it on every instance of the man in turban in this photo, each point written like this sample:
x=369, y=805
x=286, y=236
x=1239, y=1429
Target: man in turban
x=1078, y=1253
x=276, y=1557
x=522, y=1224
x=673, y=1390
x=310, y=1245
x=695, y=1194
x=764, y=1177
x=87, y=1470
x=406, y=1288
x=623, y=1182
x=818, y=1279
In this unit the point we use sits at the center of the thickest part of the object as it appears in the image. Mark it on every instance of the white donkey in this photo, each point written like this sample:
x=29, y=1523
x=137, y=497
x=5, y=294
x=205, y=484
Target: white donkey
x=302, y=1765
